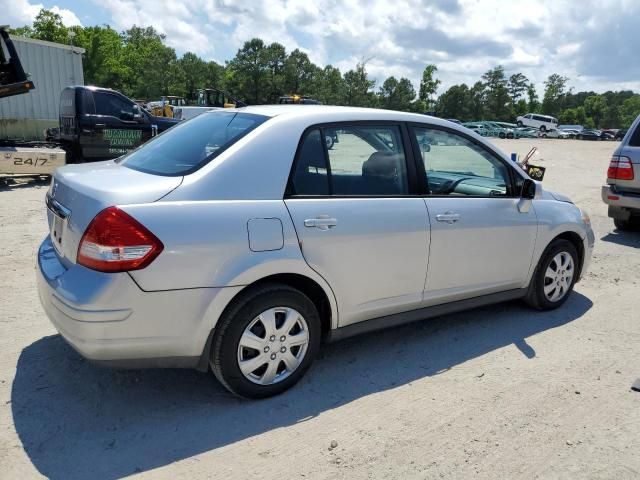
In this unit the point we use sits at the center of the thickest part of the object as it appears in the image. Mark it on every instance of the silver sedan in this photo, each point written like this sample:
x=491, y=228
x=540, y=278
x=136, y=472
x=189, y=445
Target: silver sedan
x=239, y=240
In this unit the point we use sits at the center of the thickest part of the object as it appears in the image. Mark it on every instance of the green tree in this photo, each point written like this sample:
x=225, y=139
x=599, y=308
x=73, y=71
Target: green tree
x=477, y=101
x=146, y=63
x=629, y=110
x=595, y=107
x=456, y=103
x=428, y=87
x=249, y=70
x=497, y=94
x=358, y=87
x=102, y=60
x=517, y=87
x=554, y=94
x=47, y=26
x=194, y=72
x=299, y=73
x=397, y=95
x=331, y=88
x=532, y=98
x=276, y=57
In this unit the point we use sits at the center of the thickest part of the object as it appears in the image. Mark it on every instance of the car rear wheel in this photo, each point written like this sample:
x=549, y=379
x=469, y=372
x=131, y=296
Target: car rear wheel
x=543, y=128
x=265, y=341
x=519, y=123
x=554, y=277
x=509, y=136
x=627, y=225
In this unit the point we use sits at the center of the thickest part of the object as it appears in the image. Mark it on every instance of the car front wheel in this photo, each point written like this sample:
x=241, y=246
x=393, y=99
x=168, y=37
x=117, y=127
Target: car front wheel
x=554, y=277
x=265, y=341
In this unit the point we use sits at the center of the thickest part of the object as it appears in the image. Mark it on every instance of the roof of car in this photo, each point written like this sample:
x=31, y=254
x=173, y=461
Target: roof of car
x=328, y=110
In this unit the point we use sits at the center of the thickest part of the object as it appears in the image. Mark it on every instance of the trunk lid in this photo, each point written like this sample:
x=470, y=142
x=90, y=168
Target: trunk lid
x=78, y=192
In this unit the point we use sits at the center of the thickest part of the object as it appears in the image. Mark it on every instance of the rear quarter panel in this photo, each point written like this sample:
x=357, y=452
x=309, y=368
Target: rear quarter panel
x=206, y=244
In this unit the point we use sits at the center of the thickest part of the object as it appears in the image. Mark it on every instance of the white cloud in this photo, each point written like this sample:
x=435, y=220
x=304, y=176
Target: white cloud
x=593, y=44
x=17, y=13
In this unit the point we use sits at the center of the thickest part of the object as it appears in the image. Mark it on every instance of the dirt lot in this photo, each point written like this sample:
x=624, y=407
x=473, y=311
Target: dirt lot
x=499, y=392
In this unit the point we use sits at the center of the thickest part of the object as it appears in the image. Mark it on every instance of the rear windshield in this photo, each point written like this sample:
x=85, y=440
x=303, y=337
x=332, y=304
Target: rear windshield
x=188, y=146
x=67, y=102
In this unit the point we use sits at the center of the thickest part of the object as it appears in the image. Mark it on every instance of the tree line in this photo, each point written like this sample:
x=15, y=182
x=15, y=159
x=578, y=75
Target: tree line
x=138, y=63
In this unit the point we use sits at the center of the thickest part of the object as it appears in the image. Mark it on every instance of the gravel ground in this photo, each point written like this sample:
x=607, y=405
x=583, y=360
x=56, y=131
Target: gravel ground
x=498, y=392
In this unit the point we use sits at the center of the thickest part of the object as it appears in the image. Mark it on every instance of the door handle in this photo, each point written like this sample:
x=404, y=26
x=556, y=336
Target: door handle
x=323, y=222
x=448, y=217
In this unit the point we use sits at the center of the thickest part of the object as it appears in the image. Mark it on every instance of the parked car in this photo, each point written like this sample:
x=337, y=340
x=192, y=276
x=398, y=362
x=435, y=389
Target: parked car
x=620, y=134
x=593, y=134
x=541, y=122
x=478, y=128
x=572, y=133
x=554, y=134
x=500, y=130
x=526, y=132
x=236, y=240
x=570, y=127
x=622, y=191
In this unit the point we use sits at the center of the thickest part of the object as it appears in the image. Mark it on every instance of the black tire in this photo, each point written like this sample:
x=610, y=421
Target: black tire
x=543, y=128
x=231, y=326
x=626, y=225
x=544, y=135
x=535, y=297
x=510, y=136
x=519, y=123
x=502, y=135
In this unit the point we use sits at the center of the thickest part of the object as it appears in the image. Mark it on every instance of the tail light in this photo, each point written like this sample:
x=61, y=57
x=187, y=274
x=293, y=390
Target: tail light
x=116, y=242
x=620, y=168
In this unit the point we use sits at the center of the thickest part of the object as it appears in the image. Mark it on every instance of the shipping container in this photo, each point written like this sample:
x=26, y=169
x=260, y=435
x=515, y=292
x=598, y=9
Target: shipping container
x=51, y=67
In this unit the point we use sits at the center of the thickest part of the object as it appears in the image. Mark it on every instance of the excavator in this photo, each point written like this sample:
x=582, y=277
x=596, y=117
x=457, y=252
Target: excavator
x=13, y=79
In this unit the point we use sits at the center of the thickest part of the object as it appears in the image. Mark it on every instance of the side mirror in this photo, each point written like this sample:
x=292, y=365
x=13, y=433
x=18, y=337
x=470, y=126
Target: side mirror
x=137, y=114
x=528, y=189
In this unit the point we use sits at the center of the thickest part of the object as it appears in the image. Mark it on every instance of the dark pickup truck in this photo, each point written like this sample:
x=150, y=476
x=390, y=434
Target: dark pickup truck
x=100, y=124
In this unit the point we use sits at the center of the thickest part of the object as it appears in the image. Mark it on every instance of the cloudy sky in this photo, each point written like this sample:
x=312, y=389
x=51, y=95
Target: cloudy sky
x=594, y=43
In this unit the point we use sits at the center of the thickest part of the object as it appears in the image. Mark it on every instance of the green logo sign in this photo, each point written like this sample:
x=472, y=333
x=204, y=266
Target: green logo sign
x=122, y=138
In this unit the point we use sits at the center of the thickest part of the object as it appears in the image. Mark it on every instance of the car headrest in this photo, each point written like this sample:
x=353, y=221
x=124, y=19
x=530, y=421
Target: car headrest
x=382, y=164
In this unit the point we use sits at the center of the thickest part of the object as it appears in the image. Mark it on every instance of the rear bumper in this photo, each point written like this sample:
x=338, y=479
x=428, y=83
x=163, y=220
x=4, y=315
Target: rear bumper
x=108, y=319
x=617, y=199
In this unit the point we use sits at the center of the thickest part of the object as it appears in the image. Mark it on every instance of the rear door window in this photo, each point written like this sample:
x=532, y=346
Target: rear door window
x=358, y=160
x=188, y=146
x=368, y=160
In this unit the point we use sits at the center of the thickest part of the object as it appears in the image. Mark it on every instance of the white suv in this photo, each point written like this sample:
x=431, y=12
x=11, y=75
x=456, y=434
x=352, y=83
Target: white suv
x=239, y=241
x=541, y=122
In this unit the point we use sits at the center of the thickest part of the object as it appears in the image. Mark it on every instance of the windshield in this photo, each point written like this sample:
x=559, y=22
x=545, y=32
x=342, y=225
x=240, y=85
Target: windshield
x=189, y=145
